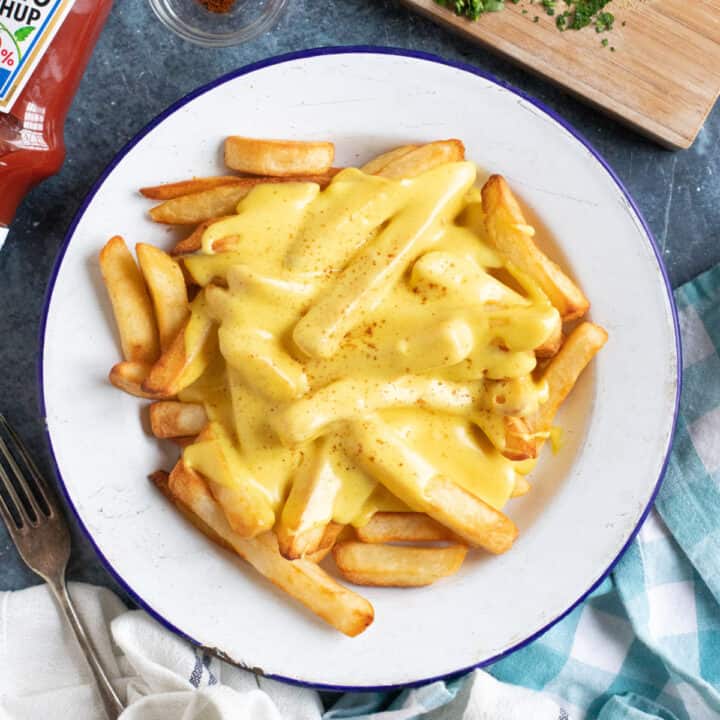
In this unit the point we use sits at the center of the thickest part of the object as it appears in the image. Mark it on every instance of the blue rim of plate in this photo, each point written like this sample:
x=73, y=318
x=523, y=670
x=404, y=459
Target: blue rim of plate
x=349, y=50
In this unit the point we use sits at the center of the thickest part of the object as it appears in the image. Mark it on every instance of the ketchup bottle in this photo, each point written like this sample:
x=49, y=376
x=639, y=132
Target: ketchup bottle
x=44, y=48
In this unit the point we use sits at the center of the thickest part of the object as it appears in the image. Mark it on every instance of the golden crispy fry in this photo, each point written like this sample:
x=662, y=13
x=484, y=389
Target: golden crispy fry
x=212, y=204
x=506, y=226
x=423, y=158
x=553, y=343
x=309, y=506
x=562, y=373
x=193, y=242
x=511, y=435
x=166, y=283
x=520, y=443
x=129, y=376
x=242, y=498
x=383, y=454
x=170, y=419
x=302, y=579
x=169, y=191
x=377, y=164
x=130, y=301
x=161, y=480
x=187, y=356
x=333, y=532
x=396, y=566
x=390, y=527
x=278, y=158
x=522, y=486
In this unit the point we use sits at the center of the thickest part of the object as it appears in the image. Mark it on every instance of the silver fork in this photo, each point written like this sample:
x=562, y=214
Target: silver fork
x=41, y=535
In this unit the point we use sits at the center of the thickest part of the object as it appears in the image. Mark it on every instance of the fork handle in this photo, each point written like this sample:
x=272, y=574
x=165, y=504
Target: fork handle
x=111, y=702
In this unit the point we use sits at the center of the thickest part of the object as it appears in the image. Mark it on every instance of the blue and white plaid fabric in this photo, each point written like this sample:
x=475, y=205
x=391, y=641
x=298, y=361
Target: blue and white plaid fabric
x=646, y=644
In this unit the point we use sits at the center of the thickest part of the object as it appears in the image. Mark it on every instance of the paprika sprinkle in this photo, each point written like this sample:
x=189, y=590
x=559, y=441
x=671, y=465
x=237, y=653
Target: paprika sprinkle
x=218, y=6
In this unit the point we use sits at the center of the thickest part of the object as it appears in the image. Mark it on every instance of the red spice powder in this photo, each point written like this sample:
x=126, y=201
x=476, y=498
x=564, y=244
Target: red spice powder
x=217, y=6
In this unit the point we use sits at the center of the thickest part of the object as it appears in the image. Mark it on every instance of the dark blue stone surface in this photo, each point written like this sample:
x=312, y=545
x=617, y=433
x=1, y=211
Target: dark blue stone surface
x=139, y=68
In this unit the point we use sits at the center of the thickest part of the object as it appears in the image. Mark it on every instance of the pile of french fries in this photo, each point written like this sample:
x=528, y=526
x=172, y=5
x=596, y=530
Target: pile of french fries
x=169, y=341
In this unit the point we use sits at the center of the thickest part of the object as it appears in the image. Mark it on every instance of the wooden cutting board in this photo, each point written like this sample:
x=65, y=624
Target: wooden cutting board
x=662, y=79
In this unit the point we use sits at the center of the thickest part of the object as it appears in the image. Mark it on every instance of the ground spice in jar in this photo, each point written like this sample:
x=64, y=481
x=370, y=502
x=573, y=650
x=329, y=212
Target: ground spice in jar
x=217, y=6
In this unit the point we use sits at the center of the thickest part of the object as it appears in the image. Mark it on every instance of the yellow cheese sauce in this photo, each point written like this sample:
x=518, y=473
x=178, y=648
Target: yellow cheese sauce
x=372, y=299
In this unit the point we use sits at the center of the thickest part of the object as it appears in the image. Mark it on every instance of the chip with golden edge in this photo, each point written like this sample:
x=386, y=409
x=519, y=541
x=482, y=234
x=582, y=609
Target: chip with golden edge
x=422, y=158
x=302, y=579
x=223, y=200
x=390, y=527
x=187, y=356
x=383, y=454
x=309, y=506
x=166, y=283
x=130, y=302
x=396, y=565
x=509, y=232
x=169, y=191
x=193, y=242
x=242, y=498
x=279, y=158
x=563, y=371
x=129, y=376
x=378, y=163
x=172, y=419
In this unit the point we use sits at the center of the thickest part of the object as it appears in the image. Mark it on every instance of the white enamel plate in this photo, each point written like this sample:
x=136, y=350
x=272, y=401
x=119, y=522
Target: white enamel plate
x=586, y=502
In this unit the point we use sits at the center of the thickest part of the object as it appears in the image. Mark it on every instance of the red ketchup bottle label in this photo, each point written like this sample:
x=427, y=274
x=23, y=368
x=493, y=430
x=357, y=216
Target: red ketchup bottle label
x=44, y=48
x=27, y=27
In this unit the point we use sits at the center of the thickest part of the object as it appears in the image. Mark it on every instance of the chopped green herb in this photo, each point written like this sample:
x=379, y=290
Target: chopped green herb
x=472, y=9
x=604, y=42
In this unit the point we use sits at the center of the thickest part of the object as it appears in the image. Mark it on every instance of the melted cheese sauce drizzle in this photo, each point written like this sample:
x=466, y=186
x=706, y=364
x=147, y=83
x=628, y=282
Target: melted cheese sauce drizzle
x=374, y=297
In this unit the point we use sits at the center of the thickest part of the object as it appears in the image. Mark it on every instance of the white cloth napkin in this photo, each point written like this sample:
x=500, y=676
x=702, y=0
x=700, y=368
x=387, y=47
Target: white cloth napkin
x=162, y=677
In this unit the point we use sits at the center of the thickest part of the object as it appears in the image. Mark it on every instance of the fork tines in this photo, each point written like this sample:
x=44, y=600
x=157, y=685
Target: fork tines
x=24, y=499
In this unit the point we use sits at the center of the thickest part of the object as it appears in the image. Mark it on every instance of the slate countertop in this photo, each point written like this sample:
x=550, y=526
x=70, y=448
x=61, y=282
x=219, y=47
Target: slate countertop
x=139, y=68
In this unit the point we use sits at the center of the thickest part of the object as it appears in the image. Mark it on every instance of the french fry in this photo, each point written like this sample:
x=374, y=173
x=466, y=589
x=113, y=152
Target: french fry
x=279, y=158
x=130, y=302
x=396, y=566
x=187, y=356
x=302, y=579
x=169, y=191
x=161, y=480
x=193, y=242
x=511, y=435
x=374, y=166
x=384, y=455
x=564, y=369
x=212, y=204
x=170, y=419
x=309, y=506
x=243, y=500
x=553, y=343
x=376, y=267
x=166, y=283
x=129, y=377
x=507, y=229
x=422, y=158
x=333, y=532
x=391, y=527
